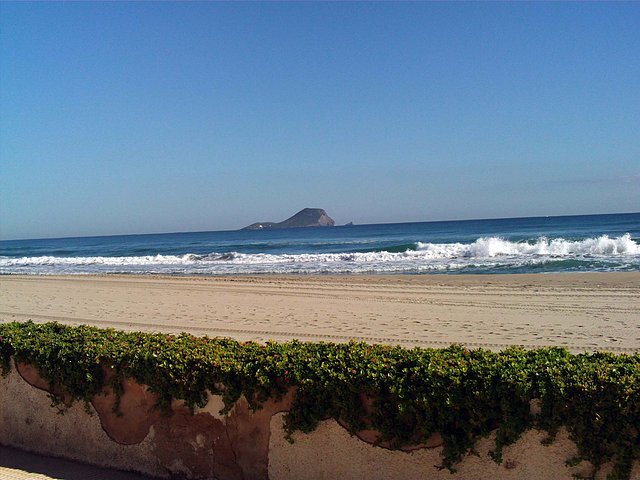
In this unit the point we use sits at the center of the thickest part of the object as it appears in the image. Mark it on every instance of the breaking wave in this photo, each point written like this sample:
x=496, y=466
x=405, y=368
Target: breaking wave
x=486, y=254
x=495, y=246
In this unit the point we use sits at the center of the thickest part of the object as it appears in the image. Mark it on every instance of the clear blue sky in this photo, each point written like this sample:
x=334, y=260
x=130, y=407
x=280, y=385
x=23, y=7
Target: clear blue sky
x=157, y=117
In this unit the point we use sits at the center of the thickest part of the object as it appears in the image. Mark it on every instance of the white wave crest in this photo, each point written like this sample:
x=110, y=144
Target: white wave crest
x=108, y=261
x=484, y=253
x=495, y=246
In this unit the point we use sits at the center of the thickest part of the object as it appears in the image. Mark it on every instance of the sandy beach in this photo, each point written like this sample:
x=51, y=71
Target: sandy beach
x=581, y=311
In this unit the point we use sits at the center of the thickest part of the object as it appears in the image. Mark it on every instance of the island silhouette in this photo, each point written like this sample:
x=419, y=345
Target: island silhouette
x=307, y=217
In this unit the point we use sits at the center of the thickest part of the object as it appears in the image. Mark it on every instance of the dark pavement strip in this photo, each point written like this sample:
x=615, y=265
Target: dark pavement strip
x=17, y=464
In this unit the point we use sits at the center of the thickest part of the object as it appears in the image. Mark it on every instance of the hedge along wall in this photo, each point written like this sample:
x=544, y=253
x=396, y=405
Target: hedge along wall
x=405, y=395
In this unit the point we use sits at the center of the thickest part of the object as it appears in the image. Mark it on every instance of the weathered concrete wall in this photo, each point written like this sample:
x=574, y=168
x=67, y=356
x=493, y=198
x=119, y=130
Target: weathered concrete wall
x=241, y=445
x=28, y=421
x=202, y=445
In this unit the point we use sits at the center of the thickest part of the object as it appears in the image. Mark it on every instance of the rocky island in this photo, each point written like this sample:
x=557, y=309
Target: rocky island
x=307, y=217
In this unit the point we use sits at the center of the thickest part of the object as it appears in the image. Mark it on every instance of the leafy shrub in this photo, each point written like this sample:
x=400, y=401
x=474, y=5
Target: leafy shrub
x=411, y=393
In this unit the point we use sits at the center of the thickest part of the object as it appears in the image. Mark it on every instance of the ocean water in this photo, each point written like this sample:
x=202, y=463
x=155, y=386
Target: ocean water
x=586, y=243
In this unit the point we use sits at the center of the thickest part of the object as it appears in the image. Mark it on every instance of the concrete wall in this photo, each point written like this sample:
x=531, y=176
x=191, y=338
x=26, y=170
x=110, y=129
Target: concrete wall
x=243, y=444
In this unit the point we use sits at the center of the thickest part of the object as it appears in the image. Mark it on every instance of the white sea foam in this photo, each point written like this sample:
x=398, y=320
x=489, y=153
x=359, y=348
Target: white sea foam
x=495, y=246
x=109, y=261
x=484, y=253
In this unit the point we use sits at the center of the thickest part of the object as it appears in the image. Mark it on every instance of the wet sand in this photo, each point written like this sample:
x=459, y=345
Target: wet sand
x=580, y=311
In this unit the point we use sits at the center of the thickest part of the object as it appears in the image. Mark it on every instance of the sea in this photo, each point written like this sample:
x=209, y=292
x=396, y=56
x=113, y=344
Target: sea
x=585, y=243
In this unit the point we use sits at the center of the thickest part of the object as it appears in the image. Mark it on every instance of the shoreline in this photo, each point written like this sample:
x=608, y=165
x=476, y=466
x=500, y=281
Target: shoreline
x=579, y=311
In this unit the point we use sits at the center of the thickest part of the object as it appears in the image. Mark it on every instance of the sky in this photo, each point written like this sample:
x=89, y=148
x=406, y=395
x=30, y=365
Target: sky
x=144, y=117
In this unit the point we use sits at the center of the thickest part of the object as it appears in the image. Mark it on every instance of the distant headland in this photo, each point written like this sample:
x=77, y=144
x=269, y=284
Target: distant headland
x=307, y=217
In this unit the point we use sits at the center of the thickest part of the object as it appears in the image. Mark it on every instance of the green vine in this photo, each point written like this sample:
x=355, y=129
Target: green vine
x=405, y=394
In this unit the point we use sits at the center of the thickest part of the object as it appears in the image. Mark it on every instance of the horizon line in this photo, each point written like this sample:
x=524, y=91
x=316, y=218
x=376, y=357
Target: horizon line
x=295, y=228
